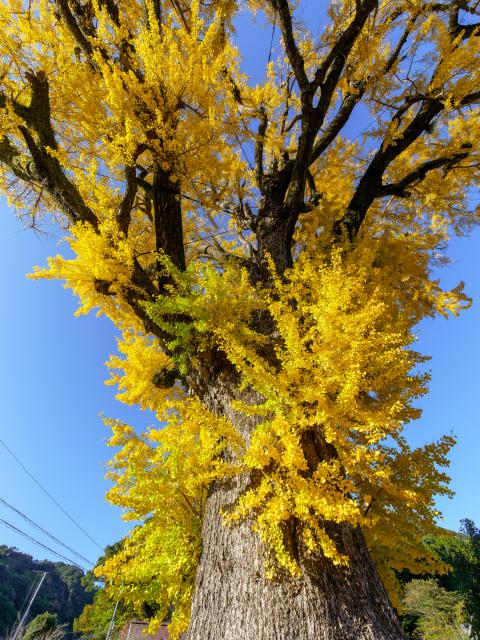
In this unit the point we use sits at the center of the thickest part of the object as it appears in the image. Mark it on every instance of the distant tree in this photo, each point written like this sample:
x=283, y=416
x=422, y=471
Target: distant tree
x=454, y=549
x=472, y=591
x=7, y=612
x=95, y=618
x=433, y=612
x=461, y=552
x=44, y=627
x=76, y=593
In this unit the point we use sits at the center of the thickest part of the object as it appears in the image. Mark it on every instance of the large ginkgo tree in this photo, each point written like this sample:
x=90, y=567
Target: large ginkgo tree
x=266, y=272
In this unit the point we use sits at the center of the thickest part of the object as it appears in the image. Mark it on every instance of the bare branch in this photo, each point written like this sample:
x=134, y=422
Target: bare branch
x=294, y=121
x=370, y=185
x=344, y=44
x=74, y=28
x=12, y=158
x=294, y=56
x=471, y=98
x=418, y=175
x=262, y=128
x=400, y=44
x=125, y=209
x=337, y=123
x=44, y=168
x=455, y=28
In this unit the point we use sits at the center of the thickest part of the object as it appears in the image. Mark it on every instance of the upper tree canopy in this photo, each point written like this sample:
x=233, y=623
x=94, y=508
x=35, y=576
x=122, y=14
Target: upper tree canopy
x=296, y=275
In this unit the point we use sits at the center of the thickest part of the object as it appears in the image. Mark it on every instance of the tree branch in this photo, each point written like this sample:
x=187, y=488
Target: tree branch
x=167, y=215
x=418, y=175
x=370, y=185
x=469, y=99
x=293, y=53
x=125, y=209
x=326, y=77
x=352, y=99
x=11, y=157
x=56, y=183
x=337, y=123
x=344, y=43
x=47, y=168
x=112, y=10
x=400, y=44
x=455, y=28
x=74, y=28
x=262, y=128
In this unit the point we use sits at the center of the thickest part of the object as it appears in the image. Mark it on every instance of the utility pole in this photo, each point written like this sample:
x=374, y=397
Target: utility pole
x=110, y=626
x=34, y=595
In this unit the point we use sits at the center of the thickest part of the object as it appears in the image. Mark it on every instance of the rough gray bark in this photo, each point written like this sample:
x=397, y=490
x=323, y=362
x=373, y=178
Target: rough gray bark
x=234, y=600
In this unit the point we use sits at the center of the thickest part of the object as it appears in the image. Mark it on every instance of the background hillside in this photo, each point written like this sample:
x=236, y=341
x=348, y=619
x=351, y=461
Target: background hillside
x=61, y=592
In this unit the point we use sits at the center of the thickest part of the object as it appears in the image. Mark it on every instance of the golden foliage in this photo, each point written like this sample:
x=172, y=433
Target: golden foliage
x=345, y=372
x=145, y=95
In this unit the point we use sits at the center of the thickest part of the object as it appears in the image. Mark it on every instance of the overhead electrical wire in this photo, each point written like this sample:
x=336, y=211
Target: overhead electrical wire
x=274, y=26
x=70, y=517
x=47, y=533
x=40, y=544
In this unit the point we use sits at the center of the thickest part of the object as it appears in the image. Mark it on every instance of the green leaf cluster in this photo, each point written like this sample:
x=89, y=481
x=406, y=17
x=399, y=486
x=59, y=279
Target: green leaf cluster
x=43, y=627
x=444, y=607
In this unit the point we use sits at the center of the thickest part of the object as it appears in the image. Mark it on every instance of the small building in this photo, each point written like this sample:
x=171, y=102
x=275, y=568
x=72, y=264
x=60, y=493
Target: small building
x=137, y=630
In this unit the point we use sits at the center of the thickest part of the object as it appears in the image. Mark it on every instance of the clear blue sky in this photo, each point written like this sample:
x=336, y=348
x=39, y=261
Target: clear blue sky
x=52, y=387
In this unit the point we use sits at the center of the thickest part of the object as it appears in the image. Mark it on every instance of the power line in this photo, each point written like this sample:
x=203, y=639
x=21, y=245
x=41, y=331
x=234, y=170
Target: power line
x=271, y=44
x=47, y=533
x=40, y=544
x=245, y=154
x=79, y=526
x=197, y=201
x=214, y=235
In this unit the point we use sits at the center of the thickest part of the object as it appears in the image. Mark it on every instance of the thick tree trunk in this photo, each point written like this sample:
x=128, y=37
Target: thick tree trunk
x=234, y=600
